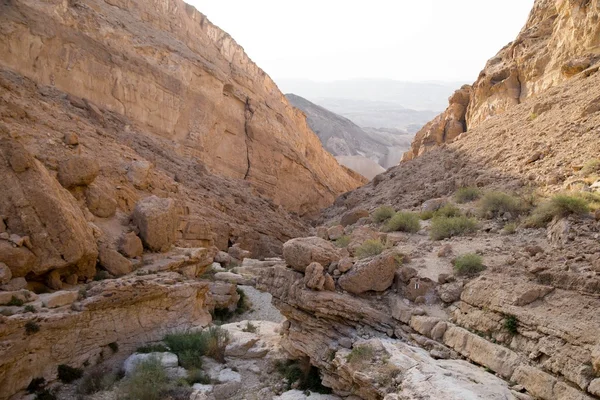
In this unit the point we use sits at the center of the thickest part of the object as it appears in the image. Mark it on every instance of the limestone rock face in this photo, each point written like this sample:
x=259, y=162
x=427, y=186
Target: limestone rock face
x=556, y=44
x=245, y=128
x=300, y=252
x=376, y=274
x=35, y=205
x=156, y=219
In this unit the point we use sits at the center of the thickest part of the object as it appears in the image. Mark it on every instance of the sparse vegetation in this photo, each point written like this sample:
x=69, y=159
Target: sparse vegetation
x=448, y=210
x=591, y=167
x=383, y=213
x=426, y=215
x=533, y=116
x=191, y=346
x=147, y=382
x=250, y=327
x=152, y=348
x=592, y=199
x=369, y=248
x=30, y=309
x=510, y=228
x=197, y=376
x=15, y=301
x=342, y=241
x=96, y=380
x=360, y=354
x=243, y=303
x=559, y=206
x=82, y=294
x=468, y=264
x=511, y=323
x=403, y=221
x=67, y=374
x=446, y=227
x=31, y=327
x=498, y=204
x=302, y=377
x=467, y=194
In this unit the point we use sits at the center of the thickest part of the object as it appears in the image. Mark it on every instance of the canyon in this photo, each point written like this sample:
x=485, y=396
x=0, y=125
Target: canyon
x=157, y=184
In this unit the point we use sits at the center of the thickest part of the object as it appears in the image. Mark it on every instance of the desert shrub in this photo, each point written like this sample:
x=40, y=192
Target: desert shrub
x=243, y=303
x=191, y=346
x=67, y=374
x=152, y=348
x=369, y=248
x=559, y=206
x=342, y=241
x=446, y=227
x=496, y=204
x=197, y=376
x=250, y=327
x=31, y=327
x=533, y=116
x=101, y=275
x=97, y=379
x=426, y=215
x=304, y=378
x=448, y=210
x=591, y=167
x=15, y=301
x=510, y=228
x=147, y=382
x=511, y=324
x=592, y=199
x=30, y=309
x=383, y=213
x=360, y=354
x=467, y=194
x=403, y=221
x=468, y=264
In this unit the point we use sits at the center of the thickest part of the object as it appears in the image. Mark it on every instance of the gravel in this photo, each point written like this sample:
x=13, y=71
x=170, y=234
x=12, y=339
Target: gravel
x=261, y=308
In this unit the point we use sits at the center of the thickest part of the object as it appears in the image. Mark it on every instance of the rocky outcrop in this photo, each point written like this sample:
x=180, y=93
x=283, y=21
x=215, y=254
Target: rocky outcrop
x=82, y=332
x=559, y=41
x=209, y=97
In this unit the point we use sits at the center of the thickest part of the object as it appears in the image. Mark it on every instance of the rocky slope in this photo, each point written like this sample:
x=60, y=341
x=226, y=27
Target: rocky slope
x=559, y=41
x=166, y=69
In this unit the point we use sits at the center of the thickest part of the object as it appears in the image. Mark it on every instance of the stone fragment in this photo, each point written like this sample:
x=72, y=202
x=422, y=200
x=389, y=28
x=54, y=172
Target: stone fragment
x=138, y=172
x=352, y=217
x=223, y=258
x=445, y=251
x=329, y=283
x=345, y=264
x=20, y=260
x=53, y=280
x=5, y=274
x=300, y=252
x=405, y=274
x=432, y=205
x=156, y=219
x=437, y=333
x=335, y=232
x=420, y=287
x=130, y=245
x=112, y=261
x=15, y=284
x=314, y=277
x=72, y=279
x=23, y=295
x=236, y=279
x=423, y=324
x=375, y=274
x=101, y=201
x=322, y=232
x=71, y=139
x=60, y=298
x=450, y=292
x=238, y=253
x=594, y=387
x=77, y=171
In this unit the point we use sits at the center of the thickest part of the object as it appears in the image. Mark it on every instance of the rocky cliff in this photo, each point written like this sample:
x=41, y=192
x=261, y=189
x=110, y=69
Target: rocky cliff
x=560, y=40
x=169, y=71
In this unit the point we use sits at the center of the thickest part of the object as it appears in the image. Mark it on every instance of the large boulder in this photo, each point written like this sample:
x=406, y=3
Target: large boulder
x=101, y=200
x=352, y=217
x=20, y=260
x=77, y=171
x=300, y=252
x=130, y=245
x=157, y=221
x=34, y=204
x=137, y=173
x=373, y=274
x=114, y=262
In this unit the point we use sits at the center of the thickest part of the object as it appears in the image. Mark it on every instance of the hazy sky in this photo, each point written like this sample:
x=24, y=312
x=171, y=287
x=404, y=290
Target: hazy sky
x=343, y=39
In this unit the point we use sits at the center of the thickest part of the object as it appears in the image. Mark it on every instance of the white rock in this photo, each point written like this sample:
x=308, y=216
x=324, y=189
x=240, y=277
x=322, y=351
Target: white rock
x=202, y=388
x=217, y=267
x=167, y=360
x=229, y=375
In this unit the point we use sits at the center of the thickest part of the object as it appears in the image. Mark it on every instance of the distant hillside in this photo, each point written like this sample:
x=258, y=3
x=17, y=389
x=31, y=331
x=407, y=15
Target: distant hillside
x=352, y=145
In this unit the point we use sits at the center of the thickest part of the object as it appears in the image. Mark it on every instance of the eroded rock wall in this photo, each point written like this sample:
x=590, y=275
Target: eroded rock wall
x=166, y=68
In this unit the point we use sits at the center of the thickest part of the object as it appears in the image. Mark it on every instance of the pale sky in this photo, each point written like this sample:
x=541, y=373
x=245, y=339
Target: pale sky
x=409, y=40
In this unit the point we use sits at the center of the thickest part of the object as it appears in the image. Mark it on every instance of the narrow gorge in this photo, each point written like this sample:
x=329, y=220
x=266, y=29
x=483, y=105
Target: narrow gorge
x=172, y=228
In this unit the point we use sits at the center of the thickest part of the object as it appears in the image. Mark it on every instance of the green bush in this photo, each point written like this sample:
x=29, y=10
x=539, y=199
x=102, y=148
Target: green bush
x=446, y=227
x=404, y=222
x=342, y=241
x=591, y=167
x=302, y=377
x=496, y=204
x=15, y=301
x=510, y=228
x=152, y=348
x=511, y=323
x=190, y=347
x=243, y=303
x=468, y=264
x=96, y=380
x=558, y=206
x=67, y=374
x=360, y=354
x=369, y=248
x=467, y=194
x=426, y=215
x=250, y=327
x=448, y=210
x=197, y=376
x=31, y=327
x=30, y=309
x=383, y=213
x=147, y=382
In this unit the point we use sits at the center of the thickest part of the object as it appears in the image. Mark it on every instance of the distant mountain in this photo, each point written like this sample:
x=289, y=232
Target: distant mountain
x=362, y=150
x=432, y=96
